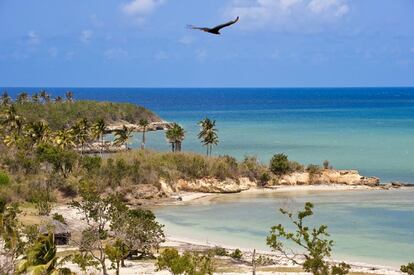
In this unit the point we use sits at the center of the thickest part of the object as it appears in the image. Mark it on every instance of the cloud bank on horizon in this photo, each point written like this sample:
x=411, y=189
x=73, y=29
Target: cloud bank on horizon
x=289, y=15
x=145, y=43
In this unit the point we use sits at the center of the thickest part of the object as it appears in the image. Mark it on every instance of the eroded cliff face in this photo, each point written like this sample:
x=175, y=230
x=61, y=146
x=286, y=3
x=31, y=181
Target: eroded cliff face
x=211, y=185
x=140, y=194
x=328, y=176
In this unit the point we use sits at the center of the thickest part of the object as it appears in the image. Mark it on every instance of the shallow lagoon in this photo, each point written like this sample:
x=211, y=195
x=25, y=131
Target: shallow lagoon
x=375, y=227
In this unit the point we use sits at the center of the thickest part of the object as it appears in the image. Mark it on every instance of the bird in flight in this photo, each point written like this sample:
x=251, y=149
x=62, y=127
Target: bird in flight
x=216, y=29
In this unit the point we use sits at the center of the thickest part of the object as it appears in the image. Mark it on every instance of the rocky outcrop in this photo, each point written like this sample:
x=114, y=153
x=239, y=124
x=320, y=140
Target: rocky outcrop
x=211, y=185
x=153, y=126
x=328, y=176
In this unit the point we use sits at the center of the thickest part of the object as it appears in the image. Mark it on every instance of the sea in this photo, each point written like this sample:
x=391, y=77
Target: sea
x=367, y=129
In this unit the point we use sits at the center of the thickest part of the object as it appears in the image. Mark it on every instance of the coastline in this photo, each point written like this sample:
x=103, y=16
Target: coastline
x=181, y=243
x=183, y=198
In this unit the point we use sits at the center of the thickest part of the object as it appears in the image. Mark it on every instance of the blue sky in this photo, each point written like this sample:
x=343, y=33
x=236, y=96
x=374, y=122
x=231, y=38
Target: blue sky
x=145, y=43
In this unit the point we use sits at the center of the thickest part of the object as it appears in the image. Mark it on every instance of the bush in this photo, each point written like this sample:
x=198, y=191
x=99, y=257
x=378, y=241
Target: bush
x=4, y=179
x=219, y=251
x=279, y=164
x=188, y=263
x=264, y=179
x=326, y=164
x=313, y=171
x=236, y=254
x=409, y=268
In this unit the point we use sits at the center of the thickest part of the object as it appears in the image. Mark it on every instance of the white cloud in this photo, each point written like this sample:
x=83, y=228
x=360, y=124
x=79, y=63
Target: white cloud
x=115, y=53
x=33, y=38
x=141, y=7
x=86, y=36
x=288, y=15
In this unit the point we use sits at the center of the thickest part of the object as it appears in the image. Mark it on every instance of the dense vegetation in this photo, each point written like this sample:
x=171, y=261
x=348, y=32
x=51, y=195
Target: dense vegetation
x=59, y=113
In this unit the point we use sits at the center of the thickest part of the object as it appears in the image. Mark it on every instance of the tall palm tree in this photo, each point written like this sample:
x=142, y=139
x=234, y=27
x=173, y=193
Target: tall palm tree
x=23, y=97
x=122, y=136
x=35, y=98
x=5, y=99
x=208, y=134
x=38, y=132
x=44, y=96
x=82, y=133
x=64, y=138
x=175, y=136
x=99, y=130
x=69, y=96
x=144, y=124
x=11, y=121
x=58, y=99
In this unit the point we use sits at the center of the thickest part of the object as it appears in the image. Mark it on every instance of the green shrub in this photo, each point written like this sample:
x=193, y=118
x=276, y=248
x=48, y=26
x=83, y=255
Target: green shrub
x=219, y=251
x=326, y=164
x=4, y=179
x=295, y=166
x=279, y=164
x=236, y=254
x=188, y=263
x=409, y=268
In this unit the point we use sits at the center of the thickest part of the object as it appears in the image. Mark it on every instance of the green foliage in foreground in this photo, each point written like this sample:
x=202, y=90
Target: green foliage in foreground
x=4, y=179
x=60, y=115
x=312, y=241
x=237, y=254
x=188, y=263
x=409, y=268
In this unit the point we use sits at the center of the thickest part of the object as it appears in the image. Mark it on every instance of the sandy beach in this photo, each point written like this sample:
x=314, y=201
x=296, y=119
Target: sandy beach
x=148, y=267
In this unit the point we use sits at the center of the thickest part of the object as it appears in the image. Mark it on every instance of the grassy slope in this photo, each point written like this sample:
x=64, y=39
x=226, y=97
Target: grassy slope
x=62, y=114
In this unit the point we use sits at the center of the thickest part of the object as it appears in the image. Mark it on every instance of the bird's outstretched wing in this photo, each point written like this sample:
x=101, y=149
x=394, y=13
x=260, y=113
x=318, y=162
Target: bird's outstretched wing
x=197, y=28
x=219, y=27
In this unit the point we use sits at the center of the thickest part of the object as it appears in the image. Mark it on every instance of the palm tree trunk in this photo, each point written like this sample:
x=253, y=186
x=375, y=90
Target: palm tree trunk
x=102, y=144
x=143, y=139
x=172, y=147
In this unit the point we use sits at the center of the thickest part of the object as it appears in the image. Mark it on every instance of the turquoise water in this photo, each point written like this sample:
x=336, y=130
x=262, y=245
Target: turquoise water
x=369, y=129
x=369, y=226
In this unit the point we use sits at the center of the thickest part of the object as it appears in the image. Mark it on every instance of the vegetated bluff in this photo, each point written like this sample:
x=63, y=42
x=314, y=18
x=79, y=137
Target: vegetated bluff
x=60, y=115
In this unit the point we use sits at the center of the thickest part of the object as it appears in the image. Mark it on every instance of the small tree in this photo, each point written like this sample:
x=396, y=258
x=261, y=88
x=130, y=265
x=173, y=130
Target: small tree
x=326, y=164
x=314, y=243
x=409, y=268
x=188, y=263
x=279, y=164
x=116, y=252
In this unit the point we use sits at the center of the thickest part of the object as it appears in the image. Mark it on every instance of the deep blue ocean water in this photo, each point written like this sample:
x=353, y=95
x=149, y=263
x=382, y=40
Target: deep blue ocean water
x=369, y=129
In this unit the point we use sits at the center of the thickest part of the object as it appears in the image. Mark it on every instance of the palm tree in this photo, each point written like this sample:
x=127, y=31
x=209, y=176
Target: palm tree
x=81, y=132
x=58, y=99
x=144, y=124
x=38, y=131
x=69, y=96
x=208, y=134
x=175, y=136
x=11, y=121
x=64, y=138
x=44, y=96
x=122, y=136
x=35, y=98
x=99, y=130
x=5, y=99
x=23, y=97
x=41, y=258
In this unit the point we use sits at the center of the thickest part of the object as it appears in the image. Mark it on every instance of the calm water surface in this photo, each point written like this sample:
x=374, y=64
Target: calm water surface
x=370, y=129
x=369, y=226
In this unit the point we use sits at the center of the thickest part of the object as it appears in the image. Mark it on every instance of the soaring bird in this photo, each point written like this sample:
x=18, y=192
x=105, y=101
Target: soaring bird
x=216, y=29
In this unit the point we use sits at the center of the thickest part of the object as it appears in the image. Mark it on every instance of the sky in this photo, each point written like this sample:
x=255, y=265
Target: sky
x=145, y=43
